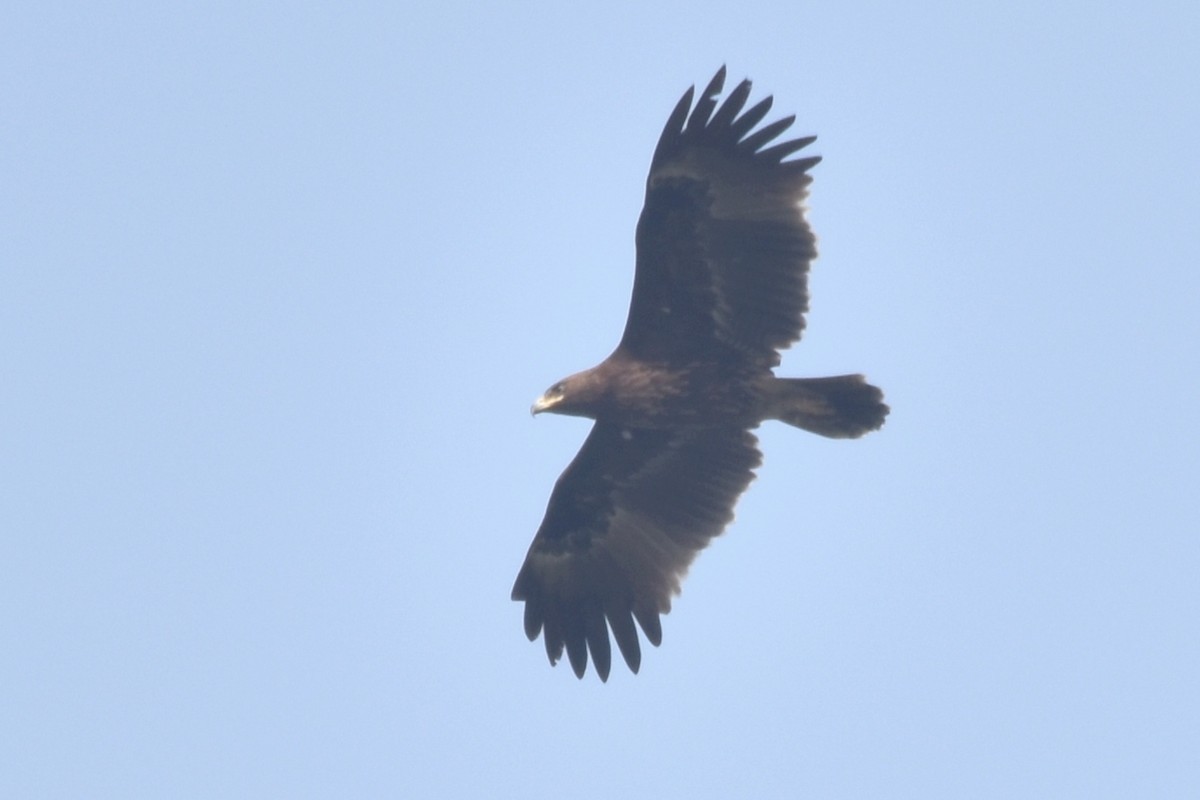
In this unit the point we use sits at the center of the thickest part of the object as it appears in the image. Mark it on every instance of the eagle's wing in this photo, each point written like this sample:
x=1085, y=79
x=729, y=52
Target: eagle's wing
x=722, y=245
x=624, y=522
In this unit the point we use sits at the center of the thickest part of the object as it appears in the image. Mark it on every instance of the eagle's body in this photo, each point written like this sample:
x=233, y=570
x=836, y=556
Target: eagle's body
x=720, y=289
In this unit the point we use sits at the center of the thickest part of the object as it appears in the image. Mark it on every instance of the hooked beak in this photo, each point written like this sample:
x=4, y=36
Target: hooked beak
x=543, y=403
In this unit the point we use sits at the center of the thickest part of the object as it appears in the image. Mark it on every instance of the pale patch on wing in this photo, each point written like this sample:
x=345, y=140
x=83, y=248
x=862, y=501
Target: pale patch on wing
x=740, y=191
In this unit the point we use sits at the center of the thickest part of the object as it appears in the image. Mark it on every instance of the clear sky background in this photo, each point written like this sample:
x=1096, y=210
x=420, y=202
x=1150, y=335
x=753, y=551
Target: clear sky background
x=279, y=282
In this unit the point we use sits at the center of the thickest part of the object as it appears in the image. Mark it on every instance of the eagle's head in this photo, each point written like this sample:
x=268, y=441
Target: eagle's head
x=577, y=396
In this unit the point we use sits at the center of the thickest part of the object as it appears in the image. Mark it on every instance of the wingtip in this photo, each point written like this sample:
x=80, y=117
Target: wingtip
x=579, y=660
x=674, y=126
x=651, y=624
x=718, y=81
x=715, y=86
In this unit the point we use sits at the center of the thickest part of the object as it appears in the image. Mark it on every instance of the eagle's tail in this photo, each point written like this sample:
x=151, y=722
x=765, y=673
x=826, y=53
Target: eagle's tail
x=842, y=407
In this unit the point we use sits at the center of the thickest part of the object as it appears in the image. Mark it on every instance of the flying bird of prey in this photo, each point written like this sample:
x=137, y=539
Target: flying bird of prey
x=720, y=289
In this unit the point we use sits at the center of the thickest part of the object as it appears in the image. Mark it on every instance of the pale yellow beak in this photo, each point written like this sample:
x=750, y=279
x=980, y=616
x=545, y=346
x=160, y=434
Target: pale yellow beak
x=543, y=403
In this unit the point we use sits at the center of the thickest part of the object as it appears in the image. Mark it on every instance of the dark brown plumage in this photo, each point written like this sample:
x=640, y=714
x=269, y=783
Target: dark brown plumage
x=720, y=289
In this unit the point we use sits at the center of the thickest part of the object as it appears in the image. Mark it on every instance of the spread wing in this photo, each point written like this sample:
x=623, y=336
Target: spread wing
x=624, y=522
x=722, y=245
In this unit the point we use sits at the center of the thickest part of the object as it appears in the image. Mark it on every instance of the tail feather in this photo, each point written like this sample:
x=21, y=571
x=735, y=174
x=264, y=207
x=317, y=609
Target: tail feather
x=842, y=407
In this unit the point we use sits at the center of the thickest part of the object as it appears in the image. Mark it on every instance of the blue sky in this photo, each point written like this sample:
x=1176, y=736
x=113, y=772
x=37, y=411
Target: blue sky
x=279, y=283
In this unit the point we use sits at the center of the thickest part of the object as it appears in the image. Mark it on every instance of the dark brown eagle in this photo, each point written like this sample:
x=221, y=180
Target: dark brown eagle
x=720, y=289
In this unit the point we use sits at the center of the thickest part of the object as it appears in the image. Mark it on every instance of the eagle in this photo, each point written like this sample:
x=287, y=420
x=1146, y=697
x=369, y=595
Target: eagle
x=720, y=289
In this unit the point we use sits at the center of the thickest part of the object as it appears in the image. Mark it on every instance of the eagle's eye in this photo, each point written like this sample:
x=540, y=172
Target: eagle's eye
x=556, y=390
